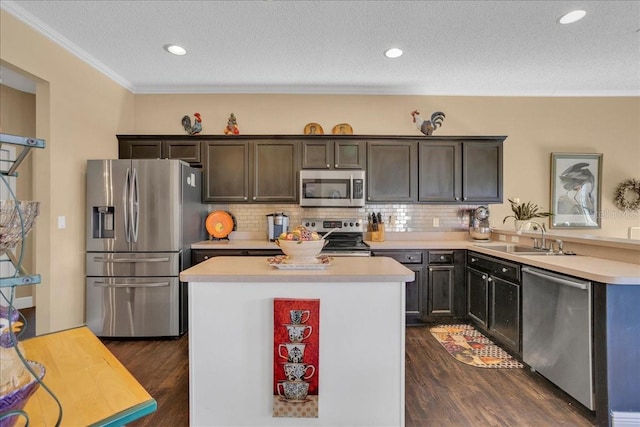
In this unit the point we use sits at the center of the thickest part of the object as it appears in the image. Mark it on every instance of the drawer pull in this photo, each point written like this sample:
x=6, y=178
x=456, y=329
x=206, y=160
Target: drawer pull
x=474, y=259
x=504, y=269
x=206, y=257
x=442, y=257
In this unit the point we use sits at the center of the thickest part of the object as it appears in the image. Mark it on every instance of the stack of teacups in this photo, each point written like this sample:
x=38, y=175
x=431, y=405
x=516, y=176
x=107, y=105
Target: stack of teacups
x=295, y=387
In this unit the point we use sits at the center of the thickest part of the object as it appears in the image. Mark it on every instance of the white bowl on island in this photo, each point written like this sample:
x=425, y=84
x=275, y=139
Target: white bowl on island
x=301, y=251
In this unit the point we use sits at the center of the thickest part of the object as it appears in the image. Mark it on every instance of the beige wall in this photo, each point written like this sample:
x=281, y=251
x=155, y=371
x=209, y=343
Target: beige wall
x=79, y=111
x=535, y=126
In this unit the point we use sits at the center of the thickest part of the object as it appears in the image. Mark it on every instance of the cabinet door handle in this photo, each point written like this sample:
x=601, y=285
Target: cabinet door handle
x=504, y=269
x=206, y=257
x=474, y=259
x=336, y=165
x=484, y=277
x=245, y=197
x=489, y=279
x=328, y=166
x=430, y=269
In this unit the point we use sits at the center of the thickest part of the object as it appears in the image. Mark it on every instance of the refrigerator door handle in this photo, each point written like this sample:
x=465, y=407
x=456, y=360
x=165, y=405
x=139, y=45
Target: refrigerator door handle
x=131, y=260
x=135, y=206
x=125, y=203
x=131, y=285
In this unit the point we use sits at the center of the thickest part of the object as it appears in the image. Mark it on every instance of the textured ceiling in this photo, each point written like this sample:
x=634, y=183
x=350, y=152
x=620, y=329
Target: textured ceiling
x=451, y=47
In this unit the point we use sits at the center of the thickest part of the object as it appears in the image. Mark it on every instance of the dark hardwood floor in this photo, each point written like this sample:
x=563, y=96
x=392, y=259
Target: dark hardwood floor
x=440, y=391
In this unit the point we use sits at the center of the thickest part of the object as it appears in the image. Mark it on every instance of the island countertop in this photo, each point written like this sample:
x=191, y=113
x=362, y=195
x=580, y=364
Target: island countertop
x=257, y=269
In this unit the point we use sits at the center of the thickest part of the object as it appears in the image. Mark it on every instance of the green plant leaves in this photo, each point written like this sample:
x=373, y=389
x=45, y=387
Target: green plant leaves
x=528, y=210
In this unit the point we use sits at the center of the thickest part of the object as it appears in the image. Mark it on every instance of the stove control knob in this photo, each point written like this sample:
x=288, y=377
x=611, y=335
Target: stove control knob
x=357, y=224
x=345, y=224
x=351, y=224
x=313, y=224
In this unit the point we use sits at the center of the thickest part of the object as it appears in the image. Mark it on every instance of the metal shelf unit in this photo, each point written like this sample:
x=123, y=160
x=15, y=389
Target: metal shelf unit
x=22, y=277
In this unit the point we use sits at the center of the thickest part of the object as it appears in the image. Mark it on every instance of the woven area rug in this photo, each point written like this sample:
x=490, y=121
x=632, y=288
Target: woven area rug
x=471, y=347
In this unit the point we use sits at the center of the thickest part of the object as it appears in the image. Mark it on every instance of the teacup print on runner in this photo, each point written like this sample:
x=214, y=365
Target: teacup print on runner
x=296, y=349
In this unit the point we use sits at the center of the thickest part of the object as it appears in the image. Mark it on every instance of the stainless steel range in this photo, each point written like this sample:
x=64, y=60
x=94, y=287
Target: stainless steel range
x=347, y=241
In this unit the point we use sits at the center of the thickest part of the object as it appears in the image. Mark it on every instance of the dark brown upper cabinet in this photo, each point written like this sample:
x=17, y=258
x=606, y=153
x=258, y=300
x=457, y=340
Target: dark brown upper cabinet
x=460, y=171
x=144, y=147
x=241, y=171
x=340, y=154
x=392, y=171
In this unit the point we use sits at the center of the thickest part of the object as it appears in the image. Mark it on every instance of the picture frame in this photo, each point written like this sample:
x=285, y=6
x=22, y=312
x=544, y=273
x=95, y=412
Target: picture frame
x=576, y=189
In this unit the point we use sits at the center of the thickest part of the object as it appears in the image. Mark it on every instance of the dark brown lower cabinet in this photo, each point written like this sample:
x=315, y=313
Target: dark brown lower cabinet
x=446, y=286
x=505, y=311
x=494, y=299
x=441, y=282
x=477, y=296
x=200, y=255
x=416, y=291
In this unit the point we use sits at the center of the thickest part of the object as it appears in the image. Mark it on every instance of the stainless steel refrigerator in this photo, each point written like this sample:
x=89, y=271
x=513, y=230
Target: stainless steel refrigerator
x=142, y=216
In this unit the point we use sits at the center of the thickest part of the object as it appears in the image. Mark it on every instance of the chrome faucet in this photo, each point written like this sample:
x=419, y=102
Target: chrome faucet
x=543, y=228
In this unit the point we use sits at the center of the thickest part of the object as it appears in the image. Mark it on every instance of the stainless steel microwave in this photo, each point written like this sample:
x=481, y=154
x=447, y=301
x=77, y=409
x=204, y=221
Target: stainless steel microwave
x=332, y=188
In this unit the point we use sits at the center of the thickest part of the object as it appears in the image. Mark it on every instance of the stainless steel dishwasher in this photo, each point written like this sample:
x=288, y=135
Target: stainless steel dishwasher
x=556, y=331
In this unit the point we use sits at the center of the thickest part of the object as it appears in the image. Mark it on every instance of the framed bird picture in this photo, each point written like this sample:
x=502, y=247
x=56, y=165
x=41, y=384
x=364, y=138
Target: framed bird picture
x=576, y=186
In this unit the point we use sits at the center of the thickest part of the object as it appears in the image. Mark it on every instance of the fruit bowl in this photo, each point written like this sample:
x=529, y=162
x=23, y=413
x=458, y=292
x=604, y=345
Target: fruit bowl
x=301, y=251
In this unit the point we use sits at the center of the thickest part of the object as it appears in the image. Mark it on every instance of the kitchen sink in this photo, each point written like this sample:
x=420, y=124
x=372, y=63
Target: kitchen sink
x=517, y=249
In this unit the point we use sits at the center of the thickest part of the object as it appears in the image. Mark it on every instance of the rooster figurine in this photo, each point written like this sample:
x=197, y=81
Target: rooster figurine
x=197, y=125
x=428, y=126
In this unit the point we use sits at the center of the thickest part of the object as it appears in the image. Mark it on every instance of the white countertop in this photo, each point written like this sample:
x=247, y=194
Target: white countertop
x=586, y=267
x=257, y=269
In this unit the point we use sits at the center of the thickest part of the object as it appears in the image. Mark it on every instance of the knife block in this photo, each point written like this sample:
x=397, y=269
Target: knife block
x=378, y=236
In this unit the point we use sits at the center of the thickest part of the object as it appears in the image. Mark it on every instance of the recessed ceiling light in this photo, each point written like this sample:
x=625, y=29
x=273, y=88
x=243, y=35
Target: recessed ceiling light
x=571, y=17
x=176, y=50
x=394, y=52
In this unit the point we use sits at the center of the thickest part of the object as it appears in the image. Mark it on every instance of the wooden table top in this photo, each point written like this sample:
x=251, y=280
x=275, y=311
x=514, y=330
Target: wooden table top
x=93, y=387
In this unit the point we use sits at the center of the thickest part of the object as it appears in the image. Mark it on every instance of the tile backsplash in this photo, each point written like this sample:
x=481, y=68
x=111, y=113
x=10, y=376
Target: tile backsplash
x=397, y=217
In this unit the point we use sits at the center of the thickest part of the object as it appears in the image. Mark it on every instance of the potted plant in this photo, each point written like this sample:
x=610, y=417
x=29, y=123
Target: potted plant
x=523, y=213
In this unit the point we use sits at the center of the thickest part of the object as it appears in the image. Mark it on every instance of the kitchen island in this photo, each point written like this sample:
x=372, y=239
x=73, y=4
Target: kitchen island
x=361, y=340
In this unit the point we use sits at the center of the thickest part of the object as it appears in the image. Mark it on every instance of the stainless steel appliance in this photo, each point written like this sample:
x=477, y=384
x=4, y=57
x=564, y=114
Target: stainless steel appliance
x=479, y=228
x=333, y=188
x=348, y=240
x=142, y=216
x=556, y=331
x=276, y=224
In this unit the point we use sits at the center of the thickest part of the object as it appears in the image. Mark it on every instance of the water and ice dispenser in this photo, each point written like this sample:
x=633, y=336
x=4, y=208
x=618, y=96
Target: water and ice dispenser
x=102, y=222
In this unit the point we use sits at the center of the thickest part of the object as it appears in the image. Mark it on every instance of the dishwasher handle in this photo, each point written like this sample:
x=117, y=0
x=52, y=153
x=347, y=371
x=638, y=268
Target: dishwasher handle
x=559, y=280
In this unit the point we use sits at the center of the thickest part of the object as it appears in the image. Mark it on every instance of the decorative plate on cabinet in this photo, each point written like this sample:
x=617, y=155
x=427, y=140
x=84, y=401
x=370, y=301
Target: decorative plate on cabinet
x=219, y=224
x=313, y=129
x=342, y=129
